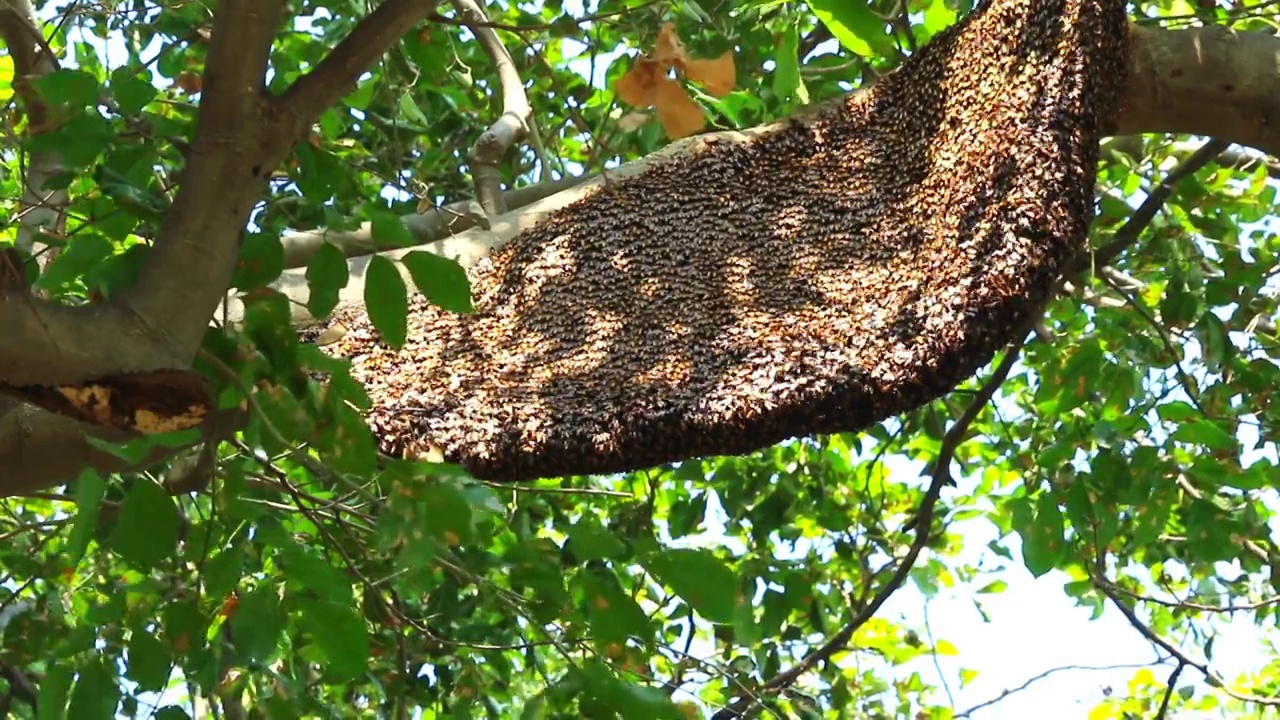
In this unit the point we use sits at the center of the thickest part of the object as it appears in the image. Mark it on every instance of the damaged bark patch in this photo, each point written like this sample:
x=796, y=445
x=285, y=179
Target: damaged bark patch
x=147, y=402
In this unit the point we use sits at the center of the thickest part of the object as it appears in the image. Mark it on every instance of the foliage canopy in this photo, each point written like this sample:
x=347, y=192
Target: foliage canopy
x=1126, y=449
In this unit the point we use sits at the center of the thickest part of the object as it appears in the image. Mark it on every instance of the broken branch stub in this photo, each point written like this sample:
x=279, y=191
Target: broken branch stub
x=835, y=270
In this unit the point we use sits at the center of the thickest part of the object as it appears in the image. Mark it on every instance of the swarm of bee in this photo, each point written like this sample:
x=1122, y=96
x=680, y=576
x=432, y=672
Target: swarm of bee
x=837, y=269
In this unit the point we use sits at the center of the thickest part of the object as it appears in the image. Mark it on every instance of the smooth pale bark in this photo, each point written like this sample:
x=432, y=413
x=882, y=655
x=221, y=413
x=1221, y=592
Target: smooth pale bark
x=1209, y=82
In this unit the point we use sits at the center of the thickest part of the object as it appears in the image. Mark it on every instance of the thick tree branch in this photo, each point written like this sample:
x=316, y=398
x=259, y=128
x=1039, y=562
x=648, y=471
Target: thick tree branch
x=160, y=322
x=336, y=74
x=1205, y=81
x=512, y=127
x=227, y=169
x=435, y=224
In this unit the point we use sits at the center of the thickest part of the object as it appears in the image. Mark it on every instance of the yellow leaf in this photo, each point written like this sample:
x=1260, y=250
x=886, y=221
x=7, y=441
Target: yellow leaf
x=718, y=76
x=679, y=114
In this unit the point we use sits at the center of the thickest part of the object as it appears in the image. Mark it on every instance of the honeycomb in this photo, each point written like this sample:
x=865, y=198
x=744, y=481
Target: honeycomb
x=837, y=269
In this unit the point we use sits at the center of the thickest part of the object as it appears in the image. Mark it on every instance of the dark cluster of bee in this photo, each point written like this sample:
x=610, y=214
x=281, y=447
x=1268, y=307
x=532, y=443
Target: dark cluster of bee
x=844, y=267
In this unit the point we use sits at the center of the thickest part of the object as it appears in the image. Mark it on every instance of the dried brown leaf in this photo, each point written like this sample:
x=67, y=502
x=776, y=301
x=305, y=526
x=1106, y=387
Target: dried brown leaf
x=679, y=114
x=668, y=50
x=637, y=87
x=717, y=76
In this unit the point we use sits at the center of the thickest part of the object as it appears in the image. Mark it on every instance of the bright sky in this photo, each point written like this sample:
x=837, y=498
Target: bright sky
x=1030, y=628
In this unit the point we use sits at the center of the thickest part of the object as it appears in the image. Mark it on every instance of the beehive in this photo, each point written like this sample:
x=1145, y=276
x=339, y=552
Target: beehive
x=839, y=269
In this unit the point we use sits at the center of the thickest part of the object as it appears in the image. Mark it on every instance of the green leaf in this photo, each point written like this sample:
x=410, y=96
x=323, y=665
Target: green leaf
x=327, y=275
x=1179, y=305
x=1206, y=433
x=1177, y=411
x=75, y=261
x=261, y=261
x=184, y=626
x=411, y=111
x=171, y=712
x=590, y=541
x=746, y=631
x=389, y=231
x=149, y=661
x=699, y=577
x=223, y=571
x=68, y=87
x=257, y=624
x=787, y=83
x=90, y=489
x=53, y=692
x=95, y=694
x=441, y=280
x=1043, y=542
x=118, y=272
x=341, y=636
x=132, y=92
x=346, y=444
x=994, y=587
x=854, y=25
x=147, y=530
x=386, y=300
x=301, y=566
x=613, y=614
x=446, y=513
x=938, y=17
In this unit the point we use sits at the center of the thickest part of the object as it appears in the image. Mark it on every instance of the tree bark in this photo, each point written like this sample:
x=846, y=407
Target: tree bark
x=1209, y=82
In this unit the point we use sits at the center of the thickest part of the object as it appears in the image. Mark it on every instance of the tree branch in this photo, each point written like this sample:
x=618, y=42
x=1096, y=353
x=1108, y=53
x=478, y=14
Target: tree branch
x=1207, y=81
x=1168, y=691
x=1109, y=590
x=1048, y=673
x=941, y=477
x=337, y=73
x=1133, y=228
x=160, y=322
x=512, y=127
x=435, y=224
x=40, y=209
x=227, y=168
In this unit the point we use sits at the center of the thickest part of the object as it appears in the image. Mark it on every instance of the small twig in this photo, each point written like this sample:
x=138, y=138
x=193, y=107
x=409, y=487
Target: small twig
x=1107, y=589
x=933, y=647
x=1198, y=607
x=511, y=127
x=1168, y=691
x=1047, y=673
